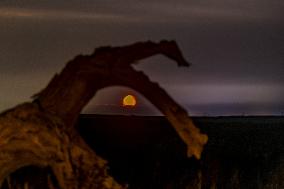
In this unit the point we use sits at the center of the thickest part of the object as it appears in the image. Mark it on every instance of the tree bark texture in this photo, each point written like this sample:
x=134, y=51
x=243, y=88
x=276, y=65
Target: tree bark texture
x=42, y=133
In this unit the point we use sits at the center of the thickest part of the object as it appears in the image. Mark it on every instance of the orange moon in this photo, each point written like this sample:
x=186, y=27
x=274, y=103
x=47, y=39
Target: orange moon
x=129, y=100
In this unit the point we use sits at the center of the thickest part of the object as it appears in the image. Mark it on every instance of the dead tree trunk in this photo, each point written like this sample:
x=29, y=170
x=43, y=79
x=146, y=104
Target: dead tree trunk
x=42, y=132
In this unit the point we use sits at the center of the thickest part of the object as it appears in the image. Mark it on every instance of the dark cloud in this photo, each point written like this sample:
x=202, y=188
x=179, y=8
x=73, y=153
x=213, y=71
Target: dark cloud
x=150, y=11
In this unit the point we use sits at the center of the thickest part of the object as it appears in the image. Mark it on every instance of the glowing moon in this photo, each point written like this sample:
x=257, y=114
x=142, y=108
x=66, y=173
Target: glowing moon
x=129, y=100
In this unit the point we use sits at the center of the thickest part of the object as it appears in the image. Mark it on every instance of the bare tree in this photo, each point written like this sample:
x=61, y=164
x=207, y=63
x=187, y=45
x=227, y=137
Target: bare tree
x=42, y=133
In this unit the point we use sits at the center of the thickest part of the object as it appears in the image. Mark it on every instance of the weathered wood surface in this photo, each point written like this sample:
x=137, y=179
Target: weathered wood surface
x=42, y=132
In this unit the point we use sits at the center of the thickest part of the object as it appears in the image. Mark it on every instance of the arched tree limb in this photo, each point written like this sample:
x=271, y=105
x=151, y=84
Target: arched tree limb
x=42, y=132
x=72, y=89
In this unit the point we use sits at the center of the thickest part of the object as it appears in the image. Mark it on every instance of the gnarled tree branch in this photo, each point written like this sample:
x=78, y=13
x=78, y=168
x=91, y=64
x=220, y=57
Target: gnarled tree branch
x=42, y=132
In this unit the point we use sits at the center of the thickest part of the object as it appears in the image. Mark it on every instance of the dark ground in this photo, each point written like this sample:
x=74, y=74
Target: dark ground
x=145, y=152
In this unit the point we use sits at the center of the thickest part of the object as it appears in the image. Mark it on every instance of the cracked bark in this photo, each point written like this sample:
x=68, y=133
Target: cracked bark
x=42, y=132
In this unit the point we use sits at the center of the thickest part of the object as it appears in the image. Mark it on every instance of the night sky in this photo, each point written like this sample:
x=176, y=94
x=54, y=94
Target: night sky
x=236, y=48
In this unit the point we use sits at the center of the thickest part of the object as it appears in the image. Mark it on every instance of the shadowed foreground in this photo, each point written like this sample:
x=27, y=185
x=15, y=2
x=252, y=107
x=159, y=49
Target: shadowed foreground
x=146, y=153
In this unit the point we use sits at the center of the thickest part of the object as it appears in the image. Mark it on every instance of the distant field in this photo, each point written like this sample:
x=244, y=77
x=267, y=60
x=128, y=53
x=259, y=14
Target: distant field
x=147, y=153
